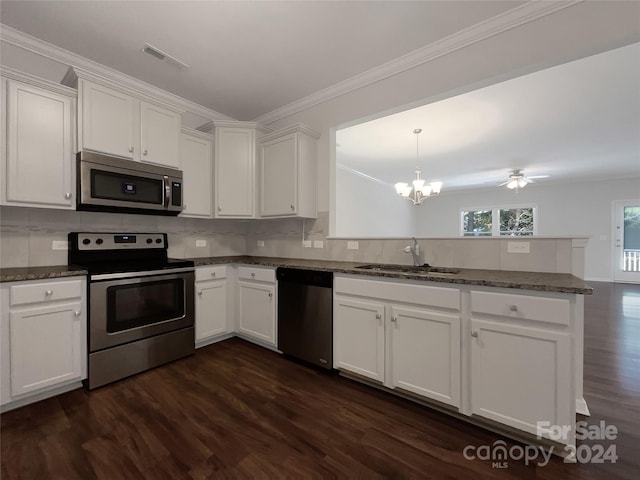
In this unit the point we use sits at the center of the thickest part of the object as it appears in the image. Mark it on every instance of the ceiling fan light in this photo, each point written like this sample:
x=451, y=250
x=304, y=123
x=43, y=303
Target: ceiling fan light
x=522, y=182
x=436, y=187
x=512, y=184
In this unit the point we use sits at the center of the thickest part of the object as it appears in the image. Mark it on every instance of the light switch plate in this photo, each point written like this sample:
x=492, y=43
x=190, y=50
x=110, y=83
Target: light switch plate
x=318, y=244
x=59, y=245
x=260, y=243
x=517, y=247
x=353, y=245
x=201, y=243
x=306, y=243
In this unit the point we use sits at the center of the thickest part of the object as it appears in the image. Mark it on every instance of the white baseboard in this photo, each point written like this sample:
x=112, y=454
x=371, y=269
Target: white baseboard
x=597, y=279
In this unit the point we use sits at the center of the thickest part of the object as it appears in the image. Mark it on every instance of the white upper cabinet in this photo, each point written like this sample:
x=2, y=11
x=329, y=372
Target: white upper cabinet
x=115, y=122
x=288, y=173
x=38, y=163
x=109, y=120
x=196, y=159
x=235, y=169
x=159, y=135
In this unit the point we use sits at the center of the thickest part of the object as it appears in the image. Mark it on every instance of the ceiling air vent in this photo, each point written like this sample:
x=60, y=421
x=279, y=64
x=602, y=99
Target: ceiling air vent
x=160, y=55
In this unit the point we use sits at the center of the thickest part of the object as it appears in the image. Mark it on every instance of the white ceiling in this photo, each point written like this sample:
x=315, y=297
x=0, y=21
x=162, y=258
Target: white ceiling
x=246, y=58
x=576, y=121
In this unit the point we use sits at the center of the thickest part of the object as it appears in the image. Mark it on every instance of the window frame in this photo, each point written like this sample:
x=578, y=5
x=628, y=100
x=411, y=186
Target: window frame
x=495, y=219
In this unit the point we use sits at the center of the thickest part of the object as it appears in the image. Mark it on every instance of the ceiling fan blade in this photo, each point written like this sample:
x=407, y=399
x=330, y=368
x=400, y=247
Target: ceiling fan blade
x=503, y=183
x=539, y=176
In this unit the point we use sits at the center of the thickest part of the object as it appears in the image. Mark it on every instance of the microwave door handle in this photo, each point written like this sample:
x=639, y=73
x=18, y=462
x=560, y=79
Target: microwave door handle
x=167, y=190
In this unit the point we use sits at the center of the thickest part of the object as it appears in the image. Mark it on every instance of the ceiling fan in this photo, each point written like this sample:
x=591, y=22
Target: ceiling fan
x=517, y=180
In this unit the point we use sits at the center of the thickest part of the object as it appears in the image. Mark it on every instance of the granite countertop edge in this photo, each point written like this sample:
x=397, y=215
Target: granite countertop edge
x=537, y=281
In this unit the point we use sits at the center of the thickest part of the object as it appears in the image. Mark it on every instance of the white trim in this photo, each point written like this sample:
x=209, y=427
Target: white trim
x=52, y=52
x=599, y=279
x=197, y=133
x=508, y=20
x=34, y=81
x=295, y=128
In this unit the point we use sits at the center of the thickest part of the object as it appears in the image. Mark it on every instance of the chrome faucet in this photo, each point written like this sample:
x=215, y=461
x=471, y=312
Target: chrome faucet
x=414, y=251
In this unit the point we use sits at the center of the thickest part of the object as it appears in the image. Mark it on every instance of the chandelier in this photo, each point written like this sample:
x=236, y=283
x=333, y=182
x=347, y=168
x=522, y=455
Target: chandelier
x=417, y=191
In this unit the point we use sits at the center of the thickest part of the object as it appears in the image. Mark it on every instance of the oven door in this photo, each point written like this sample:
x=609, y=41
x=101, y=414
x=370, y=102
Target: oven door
x=140, y=305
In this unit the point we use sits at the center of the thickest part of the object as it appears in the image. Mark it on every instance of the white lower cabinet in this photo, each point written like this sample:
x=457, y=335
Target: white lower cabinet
x=257, y=305
x=212, y=312
x=521, y=362
x=43, y=338
x=359, y=337
x=425, y=356
x=413, y=346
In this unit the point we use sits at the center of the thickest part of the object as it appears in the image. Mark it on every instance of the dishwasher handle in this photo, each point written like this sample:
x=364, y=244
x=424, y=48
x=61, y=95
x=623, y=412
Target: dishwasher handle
x=301, y=276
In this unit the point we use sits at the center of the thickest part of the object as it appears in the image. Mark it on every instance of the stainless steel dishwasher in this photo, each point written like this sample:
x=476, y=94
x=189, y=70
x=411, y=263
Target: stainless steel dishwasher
x=305, y=315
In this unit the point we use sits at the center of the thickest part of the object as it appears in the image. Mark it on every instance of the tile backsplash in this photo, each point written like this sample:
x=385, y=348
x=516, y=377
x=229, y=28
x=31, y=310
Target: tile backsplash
x=27, y=234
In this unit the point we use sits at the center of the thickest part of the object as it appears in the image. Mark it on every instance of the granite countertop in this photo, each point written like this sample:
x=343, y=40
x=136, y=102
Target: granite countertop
x=540, y=281
x=18, y=274
x=545, y=282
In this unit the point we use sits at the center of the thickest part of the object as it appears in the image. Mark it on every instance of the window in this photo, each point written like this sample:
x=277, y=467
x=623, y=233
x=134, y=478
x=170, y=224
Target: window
x=505, y=221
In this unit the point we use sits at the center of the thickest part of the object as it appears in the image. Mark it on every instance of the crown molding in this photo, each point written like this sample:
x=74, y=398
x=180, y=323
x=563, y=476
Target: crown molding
x=197, y=133
x=13, y=74
x=52, y=52
x=295, y=128
x=508, y=20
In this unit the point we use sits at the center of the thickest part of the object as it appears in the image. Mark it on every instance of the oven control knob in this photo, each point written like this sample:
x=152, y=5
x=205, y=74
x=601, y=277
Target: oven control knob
x=86, y=241
x=158, y=240
x=99, y=241
x=149, y=240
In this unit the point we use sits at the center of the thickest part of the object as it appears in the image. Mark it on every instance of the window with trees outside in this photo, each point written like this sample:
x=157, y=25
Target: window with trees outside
x=499, y=221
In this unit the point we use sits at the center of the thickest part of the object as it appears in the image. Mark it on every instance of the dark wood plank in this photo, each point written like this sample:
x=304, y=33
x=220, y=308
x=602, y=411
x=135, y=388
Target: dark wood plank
x=235, y=410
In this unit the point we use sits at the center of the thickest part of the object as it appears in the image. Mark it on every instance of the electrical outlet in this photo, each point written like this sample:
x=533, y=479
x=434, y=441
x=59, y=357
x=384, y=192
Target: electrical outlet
x=318, y=244
x=260, y=243
x=353, y=245
x=517, y=247
x=306, y=243
x=59, y=245
x=201, y=243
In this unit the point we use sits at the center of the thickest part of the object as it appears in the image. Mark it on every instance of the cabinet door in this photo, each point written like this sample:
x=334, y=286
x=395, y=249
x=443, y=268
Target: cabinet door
x=279, y=177
x=257, y=311
x=197, y=170
x=109, y=121
x=234, y=176
x=159, y=135
x=211, y=309
x=45, y=346
x=39, y=157
x=521, y=375
x=425, y=355
x=358, y=332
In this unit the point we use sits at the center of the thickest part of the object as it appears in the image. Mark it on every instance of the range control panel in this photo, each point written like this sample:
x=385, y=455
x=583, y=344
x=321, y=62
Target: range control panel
x=121, y=241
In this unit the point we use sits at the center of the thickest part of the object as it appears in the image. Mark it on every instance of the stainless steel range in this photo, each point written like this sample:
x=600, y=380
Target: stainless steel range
x=140, y=303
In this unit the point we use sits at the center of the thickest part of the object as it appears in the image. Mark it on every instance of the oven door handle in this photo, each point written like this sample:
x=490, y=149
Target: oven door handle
x=148, y=273
x=167, y=190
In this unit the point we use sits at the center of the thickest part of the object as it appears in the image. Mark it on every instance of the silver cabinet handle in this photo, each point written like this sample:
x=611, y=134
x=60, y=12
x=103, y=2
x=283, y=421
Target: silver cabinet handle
x=219, y=209
x=253, y=275
x=48, y=293
x=77, y=313
x=67, y=195
x=144, y=152
x=292, y=208
x=270, y=294
x=378, y=316
x=513, y=308
x=394, y=318
x=130, y=149
x=213, y=274
x=474, y=333
x=199, y=292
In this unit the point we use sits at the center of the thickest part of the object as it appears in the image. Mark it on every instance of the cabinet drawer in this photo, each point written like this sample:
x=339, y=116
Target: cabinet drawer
x=45, y=292
x=211, y=273
x=258, y=274
x=525, y=307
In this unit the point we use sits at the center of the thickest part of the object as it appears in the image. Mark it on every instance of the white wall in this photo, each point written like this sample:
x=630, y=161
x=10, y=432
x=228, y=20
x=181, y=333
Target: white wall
x=367, y=208
x=574, y=209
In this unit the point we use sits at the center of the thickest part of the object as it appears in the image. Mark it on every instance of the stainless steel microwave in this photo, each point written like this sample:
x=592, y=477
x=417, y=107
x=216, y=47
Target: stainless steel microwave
x=110, y=184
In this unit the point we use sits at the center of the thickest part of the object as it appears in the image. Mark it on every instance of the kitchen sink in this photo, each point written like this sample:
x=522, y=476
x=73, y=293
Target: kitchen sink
x=425, y=269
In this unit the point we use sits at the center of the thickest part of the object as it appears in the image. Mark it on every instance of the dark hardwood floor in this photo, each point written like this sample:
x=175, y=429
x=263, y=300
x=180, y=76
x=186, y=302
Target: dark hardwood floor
x=235, y=410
